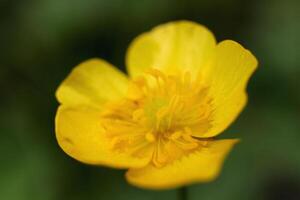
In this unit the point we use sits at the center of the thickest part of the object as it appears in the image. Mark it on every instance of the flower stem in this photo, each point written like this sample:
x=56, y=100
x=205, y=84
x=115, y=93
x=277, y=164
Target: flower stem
x=182, y=193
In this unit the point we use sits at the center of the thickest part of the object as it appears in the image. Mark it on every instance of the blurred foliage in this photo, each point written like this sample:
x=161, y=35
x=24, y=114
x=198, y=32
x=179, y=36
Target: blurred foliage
x=41, y=40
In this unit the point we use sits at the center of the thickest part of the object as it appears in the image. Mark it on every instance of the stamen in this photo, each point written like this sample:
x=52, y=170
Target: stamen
x=150, y=137
x=137, y=114
x=175, y=135
x=160, y=114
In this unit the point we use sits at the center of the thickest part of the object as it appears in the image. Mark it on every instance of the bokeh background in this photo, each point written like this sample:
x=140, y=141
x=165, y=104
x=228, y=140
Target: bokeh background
x=42, y=40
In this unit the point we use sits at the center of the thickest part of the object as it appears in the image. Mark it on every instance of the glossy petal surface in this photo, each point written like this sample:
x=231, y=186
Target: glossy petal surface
x=173, y=48
x=201, y=166
x=92, y=82
x=81, y=135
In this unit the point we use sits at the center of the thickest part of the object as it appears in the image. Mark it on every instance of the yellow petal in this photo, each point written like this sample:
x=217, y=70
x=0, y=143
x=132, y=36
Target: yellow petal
x=173, y=48
x=92, y=83
x=228, y=79
x=80, y=134
x=200, y=166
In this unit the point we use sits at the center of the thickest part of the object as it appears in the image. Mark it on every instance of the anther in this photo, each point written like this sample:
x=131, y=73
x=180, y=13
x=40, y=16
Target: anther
x=137, y=114
x=175, y=135
x=150, y=137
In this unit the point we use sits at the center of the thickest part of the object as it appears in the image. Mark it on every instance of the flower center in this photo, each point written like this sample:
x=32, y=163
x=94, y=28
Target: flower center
x=159, y=116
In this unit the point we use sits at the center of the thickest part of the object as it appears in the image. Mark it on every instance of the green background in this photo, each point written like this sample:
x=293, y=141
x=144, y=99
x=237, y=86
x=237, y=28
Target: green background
x=42, y=40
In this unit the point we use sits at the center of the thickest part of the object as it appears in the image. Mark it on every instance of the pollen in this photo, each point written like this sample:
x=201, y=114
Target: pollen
x=162, y=112
x=150, y=137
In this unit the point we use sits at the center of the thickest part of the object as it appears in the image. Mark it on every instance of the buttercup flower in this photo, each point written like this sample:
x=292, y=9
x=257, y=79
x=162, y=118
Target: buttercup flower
x=159, y=122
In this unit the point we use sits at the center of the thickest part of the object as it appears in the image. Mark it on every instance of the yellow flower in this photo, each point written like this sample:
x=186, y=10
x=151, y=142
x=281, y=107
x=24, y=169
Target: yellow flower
x=160, y=122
